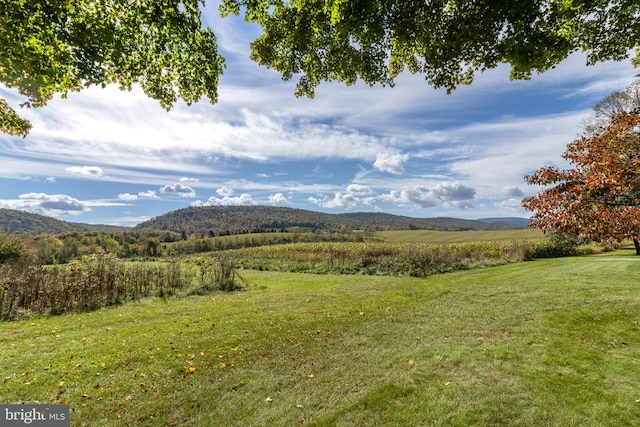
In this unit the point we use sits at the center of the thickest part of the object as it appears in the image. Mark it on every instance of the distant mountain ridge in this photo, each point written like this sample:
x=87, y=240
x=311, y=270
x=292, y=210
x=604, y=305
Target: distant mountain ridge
x=506, y=222
x=14, y=221
x=234, y=219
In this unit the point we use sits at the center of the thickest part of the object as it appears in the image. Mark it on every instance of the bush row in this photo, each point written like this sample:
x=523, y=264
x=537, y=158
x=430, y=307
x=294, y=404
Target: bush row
x=101, y=281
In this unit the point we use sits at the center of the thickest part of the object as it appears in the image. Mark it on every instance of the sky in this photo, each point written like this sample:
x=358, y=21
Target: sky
x=105, y=156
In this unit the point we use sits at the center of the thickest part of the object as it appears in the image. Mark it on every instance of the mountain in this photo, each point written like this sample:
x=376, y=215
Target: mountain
x=234, y=219
x=507, y=222
x=13, y=221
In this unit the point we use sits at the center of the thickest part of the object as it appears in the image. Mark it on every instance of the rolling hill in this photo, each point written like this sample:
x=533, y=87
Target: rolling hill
x=233, y=219
x=14, y=221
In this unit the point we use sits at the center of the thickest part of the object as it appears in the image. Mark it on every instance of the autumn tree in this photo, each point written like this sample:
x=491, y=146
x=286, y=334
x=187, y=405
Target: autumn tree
x=599, y=198
x=447, y=41
x=61, y=46
x=14, y=248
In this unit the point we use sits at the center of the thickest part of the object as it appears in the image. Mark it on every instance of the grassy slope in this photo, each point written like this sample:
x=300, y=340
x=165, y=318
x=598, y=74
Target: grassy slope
x=552, y=342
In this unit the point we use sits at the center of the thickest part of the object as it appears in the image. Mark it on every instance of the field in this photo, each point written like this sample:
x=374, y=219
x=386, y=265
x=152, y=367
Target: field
x=552, y=342
x=432, y=236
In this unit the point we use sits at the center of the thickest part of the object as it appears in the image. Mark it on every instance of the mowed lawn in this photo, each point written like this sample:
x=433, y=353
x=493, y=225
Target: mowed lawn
x=542, y=343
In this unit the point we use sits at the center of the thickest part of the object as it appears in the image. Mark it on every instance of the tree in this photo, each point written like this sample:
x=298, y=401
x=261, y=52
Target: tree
x=61, y=46
x=14, y=248
x=599, y=198
x=153, y=247
x=447, y=41
x=58, y=46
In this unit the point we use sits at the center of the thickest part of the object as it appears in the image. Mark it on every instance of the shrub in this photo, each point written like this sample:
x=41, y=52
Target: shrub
x=87, y=284
x=558, y=245
x=13, y=248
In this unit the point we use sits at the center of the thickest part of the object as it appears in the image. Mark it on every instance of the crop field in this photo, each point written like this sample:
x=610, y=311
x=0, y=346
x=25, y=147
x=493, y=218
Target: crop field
x=432, y=236
x=552, y=342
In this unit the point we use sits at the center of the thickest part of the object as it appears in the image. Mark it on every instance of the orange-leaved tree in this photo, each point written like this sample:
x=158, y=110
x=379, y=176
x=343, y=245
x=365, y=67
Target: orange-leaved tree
x=599, y=198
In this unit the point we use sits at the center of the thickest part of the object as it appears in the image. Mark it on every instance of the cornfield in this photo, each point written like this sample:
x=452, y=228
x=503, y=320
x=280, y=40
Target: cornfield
x=417, y=260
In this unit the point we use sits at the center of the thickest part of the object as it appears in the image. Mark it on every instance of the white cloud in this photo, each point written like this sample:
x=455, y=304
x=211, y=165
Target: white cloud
x=224, y=191
x=150, y=194
x=241, y=200
x=47, y=204
x=340, y=200
x=390, y=162
x=359, y=189
x=127, y=197
x=86, y=170
x=449, y=194
x=510, y=205
x=186, y=179
x=181, y=190
x=141, y=195
x=370, y=201
x=277, y=199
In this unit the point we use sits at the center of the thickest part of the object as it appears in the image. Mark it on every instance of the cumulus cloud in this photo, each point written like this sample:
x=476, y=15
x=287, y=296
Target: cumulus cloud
x=94, y=171
x=46, y=204
x=390, y=162
x=224, y=191
x=241, y=200
x=127, y=197
x=448, y=194
x=181, y=190
x=187, y=179
x=340, y=200
x=370, y=201
x=277, y=199
x=359, y=189
x=510, y=205
x=512, y=191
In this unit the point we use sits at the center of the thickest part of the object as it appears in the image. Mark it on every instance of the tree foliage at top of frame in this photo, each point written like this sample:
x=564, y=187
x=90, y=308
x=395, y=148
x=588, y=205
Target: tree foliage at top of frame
x=446, y=40
x=62, y=46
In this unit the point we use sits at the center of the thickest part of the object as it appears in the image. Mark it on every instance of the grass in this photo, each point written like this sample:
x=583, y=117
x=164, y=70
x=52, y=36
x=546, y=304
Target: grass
x=550, y=342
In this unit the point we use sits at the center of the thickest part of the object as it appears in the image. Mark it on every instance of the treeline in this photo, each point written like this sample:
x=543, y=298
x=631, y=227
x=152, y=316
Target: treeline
x=64, y=247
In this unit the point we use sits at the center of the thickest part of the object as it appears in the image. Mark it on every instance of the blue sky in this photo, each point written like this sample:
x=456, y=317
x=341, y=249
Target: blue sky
x=111, y=157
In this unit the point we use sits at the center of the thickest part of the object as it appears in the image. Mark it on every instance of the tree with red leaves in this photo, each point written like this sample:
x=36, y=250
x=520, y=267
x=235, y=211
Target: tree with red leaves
x=599, y=198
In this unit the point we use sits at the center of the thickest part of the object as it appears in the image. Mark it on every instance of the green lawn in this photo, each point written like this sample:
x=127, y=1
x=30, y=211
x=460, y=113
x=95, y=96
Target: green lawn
x=543, y=343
